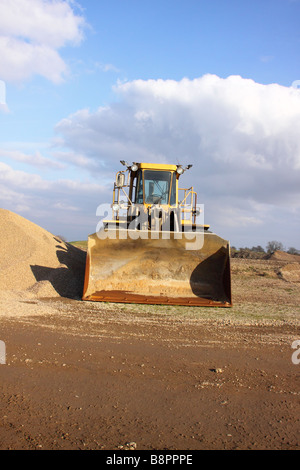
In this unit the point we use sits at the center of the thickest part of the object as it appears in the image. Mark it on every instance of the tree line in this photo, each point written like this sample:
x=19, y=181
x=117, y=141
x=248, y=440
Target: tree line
x=271, y=247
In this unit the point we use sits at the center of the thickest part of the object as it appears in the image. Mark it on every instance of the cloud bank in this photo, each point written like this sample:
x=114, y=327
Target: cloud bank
x=62, y=206
x=31, y=34
x=242, y=137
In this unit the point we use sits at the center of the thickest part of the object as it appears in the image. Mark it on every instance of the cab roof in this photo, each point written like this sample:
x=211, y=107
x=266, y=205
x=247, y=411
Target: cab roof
x=157, y=166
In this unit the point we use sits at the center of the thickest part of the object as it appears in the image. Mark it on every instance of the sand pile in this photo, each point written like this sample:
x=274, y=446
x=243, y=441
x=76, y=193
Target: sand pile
x=283, y=256
x=36, y=262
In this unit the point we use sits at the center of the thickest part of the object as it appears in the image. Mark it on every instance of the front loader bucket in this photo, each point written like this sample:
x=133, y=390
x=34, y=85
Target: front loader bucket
x=161, y=270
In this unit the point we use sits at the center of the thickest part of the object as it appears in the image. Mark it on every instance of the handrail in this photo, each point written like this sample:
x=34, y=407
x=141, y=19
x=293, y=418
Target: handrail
x=188, y=206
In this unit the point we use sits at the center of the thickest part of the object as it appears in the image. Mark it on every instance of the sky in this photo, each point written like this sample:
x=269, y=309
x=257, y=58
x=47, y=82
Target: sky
x=213, y=83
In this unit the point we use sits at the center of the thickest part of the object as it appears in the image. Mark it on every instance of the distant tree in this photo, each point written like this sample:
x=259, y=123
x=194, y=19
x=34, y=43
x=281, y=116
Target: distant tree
x=243, y=253
x=293, y=251
x=233, y=251
x=258, y=249
x=274, y=246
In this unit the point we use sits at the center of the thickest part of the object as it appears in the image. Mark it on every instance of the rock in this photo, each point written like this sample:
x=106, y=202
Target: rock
x=128, y=446
x=217, y=371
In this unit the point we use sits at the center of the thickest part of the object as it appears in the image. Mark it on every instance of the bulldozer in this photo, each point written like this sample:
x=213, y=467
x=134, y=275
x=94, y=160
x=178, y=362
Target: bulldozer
x=152, y=249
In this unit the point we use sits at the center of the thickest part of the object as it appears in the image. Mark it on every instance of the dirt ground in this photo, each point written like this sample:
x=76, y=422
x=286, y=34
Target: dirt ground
x=83, y=375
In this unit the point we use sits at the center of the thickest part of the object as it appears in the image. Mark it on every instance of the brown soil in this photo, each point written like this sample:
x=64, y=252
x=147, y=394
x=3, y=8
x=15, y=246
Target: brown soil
x=83, y=375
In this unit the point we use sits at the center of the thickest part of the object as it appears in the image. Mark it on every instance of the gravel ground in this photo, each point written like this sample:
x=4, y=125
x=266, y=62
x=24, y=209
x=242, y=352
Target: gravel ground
x=83, y=375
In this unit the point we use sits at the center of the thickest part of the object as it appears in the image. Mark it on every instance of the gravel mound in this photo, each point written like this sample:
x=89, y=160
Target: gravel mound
x=37, y=263
x=283, y=256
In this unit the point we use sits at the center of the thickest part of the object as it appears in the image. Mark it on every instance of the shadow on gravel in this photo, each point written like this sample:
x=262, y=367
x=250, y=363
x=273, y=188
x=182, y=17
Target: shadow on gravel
x=68, y=279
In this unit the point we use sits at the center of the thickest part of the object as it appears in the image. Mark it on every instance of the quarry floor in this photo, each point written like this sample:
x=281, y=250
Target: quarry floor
x=82, y=375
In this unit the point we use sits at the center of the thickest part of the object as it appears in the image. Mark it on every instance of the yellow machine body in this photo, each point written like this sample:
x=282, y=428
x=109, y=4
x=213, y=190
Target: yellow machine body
x=156, y=253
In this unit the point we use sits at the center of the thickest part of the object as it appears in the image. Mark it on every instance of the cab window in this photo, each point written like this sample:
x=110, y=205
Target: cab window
x=156, y=187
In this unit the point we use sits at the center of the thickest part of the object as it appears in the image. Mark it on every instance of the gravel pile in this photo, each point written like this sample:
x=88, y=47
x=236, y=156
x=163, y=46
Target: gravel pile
x=35, y=262
x=283, y=256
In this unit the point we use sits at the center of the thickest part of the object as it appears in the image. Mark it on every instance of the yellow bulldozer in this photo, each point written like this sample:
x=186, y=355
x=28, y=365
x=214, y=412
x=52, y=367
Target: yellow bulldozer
x=152, y=250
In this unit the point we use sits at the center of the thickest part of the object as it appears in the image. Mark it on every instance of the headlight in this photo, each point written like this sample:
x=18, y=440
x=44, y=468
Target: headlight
x=179, y=170
x=115, y=207
x=134, y=167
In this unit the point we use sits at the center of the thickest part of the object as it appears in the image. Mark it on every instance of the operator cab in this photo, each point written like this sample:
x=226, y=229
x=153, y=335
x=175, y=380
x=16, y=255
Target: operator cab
x=156, y=187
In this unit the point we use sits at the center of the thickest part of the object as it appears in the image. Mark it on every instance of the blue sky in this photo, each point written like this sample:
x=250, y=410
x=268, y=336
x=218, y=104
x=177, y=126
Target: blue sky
x=206, y=82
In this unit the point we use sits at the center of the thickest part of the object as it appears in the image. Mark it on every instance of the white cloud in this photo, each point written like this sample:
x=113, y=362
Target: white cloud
x=76, y=159
x=242, y=137
x=20, y=179
x=62, y=206
x=231, y=130
x=107, y=67
x=4, y=108
x=31, y=33
x=266, y=58
x=36, y=159
x=65, y=207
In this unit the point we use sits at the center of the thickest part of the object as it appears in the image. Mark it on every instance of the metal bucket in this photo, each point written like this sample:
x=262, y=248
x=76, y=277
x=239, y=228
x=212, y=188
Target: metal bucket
x=158, y=268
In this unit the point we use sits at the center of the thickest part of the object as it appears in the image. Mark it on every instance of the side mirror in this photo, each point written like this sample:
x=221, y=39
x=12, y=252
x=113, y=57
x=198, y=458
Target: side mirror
x=120, y=180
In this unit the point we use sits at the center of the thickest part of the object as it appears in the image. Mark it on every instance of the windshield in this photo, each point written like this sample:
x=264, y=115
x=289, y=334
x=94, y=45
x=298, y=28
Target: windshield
x=157, y=187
